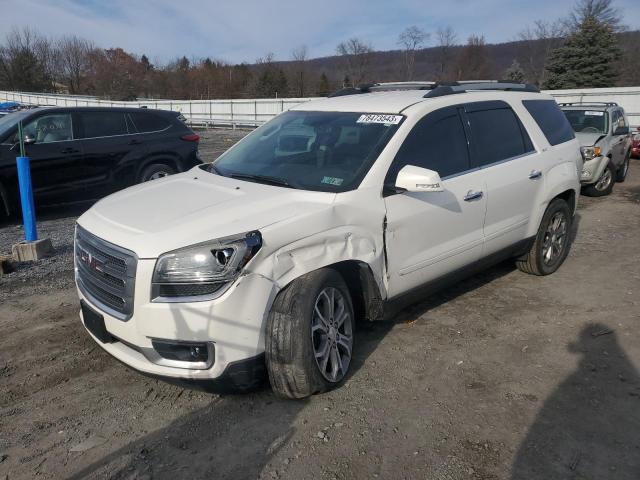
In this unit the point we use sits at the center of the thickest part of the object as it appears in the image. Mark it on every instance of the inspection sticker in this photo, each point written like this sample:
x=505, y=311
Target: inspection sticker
x=592, y=113
x=333, y=181
x=379, y=118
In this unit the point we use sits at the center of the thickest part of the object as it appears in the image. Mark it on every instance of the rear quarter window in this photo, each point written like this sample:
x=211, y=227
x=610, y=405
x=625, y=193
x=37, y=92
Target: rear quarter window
x=551, y=120
x=149, y=122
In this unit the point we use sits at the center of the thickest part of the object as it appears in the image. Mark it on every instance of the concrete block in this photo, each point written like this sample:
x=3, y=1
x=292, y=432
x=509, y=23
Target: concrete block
x=29, y=251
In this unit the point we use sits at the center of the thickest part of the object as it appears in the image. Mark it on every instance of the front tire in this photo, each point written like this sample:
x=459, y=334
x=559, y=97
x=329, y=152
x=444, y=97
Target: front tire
x=155, y=171
x=621, y=174
x=603, y=186
x=310, y=335
x=552, y=242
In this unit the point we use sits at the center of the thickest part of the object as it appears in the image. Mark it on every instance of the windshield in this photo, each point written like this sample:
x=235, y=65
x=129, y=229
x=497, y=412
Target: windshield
x=588, y=121
x=321, y=151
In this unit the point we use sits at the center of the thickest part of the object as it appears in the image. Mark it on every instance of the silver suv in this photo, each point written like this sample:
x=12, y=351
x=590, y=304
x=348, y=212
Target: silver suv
x=605, y=142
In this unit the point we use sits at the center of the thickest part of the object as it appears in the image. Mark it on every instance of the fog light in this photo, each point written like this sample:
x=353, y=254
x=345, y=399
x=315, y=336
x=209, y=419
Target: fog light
x=183, y=351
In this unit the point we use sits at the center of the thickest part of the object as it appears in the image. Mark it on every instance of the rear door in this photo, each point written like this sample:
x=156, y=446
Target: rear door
x=55, y=156
x=513, y=171
x=110, y=146
x=430, y=234
x=619, y=142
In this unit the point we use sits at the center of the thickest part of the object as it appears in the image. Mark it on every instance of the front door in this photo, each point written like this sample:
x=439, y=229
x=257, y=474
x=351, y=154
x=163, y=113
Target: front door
x=55, y=157
x=430, y=234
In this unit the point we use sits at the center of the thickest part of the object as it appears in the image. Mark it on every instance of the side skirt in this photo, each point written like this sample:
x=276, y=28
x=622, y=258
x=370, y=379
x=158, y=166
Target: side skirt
x=394, y=305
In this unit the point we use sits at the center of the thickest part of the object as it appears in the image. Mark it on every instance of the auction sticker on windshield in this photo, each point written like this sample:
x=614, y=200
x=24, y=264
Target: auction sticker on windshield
x=594, y=114
x=379, y=118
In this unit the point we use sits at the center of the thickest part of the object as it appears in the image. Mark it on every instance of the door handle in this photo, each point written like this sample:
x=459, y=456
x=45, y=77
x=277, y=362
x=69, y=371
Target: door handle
x=535, y=174
x=471, y=195
x=69, y=150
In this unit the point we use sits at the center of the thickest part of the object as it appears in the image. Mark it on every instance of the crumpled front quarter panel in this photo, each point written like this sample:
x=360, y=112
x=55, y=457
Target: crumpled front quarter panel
x=349, y=229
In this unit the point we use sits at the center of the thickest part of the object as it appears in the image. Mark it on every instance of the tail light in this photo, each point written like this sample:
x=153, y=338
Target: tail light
x=192, y=137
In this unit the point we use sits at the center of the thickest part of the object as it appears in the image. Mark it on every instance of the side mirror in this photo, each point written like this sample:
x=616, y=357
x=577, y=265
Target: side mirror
x=417, y=179
x=29, y=139
x=621, y=131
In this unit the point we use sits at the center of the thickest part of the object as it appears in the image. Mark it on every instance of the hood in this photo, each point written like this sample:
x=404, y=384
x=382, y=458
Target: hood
x=193, y=207
x=588, y=139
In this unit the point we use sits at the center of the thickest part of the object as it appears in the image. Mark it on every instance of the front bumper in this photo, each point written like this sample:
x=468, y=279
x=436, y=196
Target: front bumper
x=592, y=169
x=234, y=323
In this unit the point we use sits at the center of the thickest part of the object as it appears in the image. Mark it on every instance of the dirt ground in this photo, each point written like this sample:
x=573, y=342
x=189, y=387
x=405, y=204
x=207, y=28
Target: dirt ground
x=504, y=376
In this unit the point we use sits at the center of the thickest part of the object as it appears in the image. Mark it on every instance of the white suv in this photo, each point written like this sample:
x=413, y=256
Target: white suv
x=265, y=259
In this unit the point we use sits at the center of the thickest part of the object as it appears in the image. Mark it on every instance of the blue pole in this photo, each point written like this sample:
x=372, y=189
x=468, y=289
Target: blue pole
x=26, y=199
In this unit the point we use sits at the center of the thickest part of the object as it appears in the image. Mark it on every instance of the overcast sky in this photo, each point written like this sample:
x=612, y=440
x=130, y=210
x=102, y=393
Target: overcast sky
x=243, y=30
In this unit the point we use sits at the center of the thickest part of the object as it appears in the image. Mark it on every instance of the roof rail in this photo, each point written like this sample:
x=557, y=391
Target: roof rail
x=452, y=88
x=387, y=86
x=606, y=104
x=438, y=89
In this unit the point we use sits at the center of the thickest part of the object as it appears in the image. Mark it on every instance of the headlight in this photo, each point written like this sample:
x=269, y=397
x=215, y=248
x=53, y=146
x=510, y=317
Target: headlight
x=589, y=153
x=201, y=272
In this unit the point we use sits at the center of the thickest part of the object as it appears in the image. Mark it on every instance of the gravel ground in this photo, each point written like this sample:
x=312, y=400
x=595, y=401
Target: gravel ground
x=504, y=376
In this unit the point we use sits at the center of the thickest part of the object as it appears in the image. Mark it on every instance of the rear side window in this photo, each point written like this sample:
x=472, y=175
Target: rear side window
x=436, y=142
x=102, y=124
x=497, y=135
x=148, y=122
x=551, y=120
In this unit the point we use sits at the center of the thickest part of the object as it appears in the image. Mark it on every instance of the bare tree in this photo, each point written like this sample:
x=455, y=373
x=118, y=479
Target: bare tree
x=411, y=39
x=74, y=54
x=602, y=11
x=357, y=57
x=537, y=42
x=473, y=62
x=26, y=61
x=299, y=57
x=446, y=39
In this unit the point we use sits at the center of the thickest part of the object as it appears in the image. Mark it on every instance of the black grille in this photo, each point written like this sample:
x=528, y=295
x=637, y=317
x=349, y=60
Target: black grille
x=105, y=273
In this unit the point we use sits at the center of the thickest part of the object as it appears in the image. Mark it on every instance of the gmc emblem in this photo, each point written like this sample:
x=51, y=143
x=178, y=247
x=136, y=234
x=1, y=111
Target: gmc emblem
x=90, y=261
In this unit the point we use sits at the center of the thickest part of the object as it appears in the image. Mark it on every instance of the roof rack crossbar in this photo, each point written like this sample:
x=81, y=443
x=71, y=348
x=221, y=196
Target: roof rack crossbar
x=606, y=104
x=452, y=88
x=387, y=86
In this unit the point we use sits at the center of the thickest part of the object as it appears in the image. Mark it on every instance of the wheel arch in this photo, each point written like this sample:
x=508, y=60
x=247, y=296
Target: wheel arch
x=162, y=159
x=365, y=294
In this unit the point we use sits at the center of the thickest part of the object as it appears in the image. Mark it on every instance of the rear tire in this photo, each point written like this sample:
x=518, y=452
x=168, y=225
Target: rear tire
x=300, y=327
x=155, y=171
x=552, y=242
x=603, y=186
x=621, y=174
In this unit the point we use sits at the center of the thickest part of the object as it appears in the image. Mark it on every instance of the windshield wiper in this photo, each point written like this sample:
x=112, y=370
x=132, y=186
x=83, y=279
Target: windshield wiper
x=280, y=182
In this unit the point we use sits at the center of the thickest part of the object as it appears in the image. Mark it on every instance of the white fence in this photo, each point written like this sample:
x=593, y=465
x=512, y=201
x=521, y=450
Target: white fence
x=255, y=112
x=231, y=113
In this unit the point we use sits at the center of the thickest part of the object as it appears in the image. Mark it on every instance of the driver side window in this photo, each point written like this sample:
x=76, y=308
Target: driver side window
x=437, y=142
x=50, y=128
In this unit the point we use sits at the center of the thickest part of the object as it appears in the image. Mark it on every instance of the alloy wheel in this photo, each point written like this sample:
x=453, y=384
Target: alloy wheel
x=604, y=181
x=554, y=238
x=332, y=334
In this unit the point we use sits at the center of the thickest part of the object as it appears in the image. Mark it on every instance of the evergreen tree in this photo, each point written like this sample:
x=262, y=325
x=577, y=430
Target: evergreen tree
x=586, y=60
x=514, y=72
x=323, y=86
